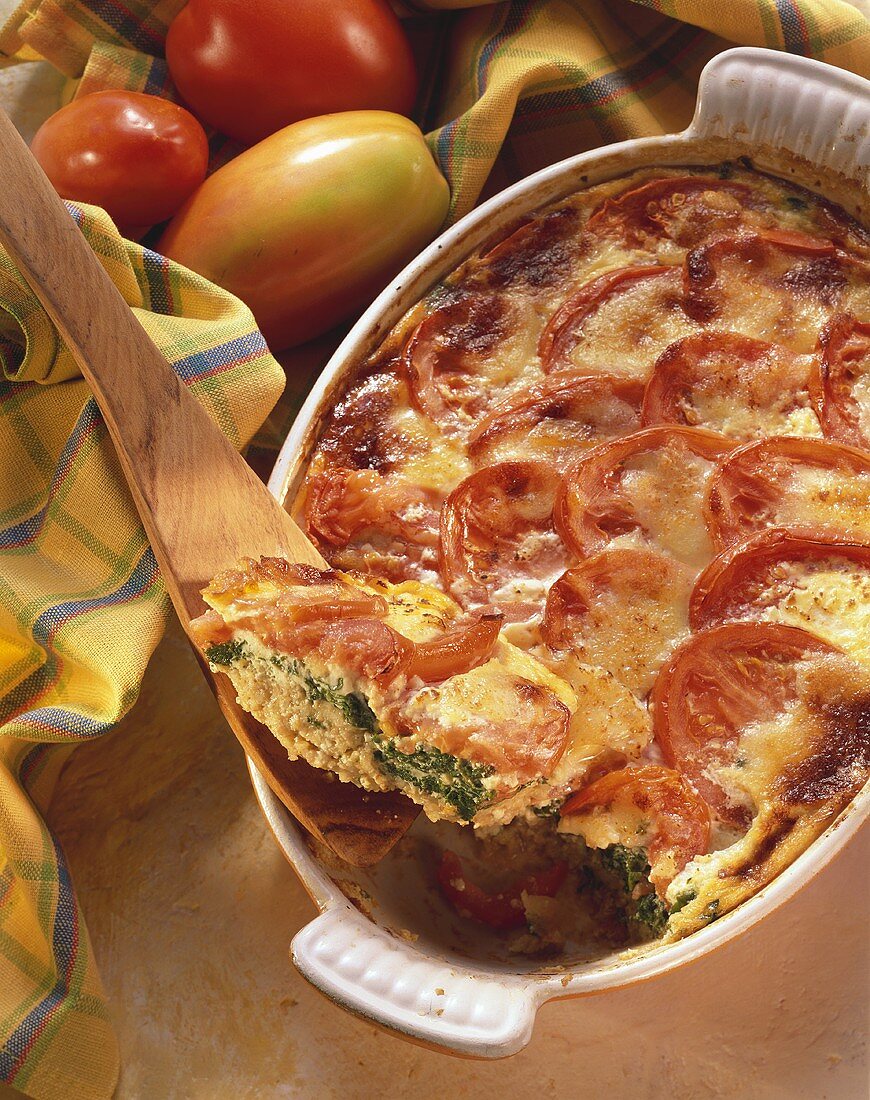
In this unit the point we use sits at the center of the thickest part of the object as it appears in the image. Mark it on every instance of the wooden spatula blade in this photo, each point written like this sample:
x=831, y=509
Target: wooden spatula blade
x=202, y=507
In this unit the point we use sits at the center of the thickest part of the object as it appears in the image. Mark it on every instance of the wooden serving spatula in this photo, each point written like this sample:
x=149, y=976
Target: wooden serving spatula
x=201, y=505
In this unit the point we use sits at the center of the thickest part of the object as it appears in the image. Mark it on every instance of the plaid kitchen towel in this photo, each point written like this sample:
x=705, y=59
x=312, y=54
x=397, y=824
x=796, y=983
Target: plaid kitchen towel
x=81, y=609
x=516, y=86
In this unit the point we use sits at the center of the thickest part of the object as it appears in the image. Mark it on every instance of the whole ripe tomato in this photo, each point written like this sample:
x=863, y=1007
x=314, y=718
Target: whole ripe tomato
x=251, y=67
x=137, y=156
x=308, y=225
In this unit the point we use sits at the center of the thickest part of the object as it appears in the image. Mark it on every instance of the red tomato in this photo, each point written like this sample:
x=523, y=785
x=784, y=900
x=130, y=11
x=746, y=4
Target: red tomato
x=137, y=156
x=836, y=387
x=760, y=572
x=759, y=486
x=564, y=330
x=679, y=819
x=316, y=594
x=764, y=382
x=595, y=504
x=562, y=415
x=497, y=528
x=308, y=225
x=622, y=610
x=251, y=67
x=458, y=650
x=341, y=504
x=674, y=207
x=716, y=684
x=442, y=357
x=503, y=910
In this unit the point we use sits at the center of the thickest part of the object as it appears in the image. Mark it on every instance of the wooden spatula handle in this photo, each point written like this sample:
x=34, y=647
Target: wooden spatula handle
x=178, y=464
x=201, y=505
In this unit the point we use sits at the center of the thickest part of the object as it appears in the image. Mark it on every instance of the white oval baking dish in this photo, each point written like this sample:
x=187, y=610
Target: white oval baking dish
x=384, y=945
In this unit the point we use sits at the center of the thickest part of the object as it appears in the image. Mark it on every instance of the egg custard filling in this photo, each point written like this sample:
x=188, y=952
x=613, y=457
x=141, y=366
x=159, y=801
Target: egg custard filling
x=596, y=519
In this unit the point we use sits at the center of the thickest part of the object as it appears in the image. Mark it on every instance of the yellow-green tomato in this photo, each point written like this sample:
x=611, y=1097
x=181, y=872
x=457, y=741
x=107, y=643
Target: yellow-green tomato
x=308, y=225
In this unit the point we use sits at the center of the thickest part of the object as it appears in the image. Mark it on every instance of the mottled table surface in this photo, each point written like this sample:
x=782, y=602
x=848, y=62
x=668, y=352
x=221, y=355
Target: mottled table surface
x=191, y=909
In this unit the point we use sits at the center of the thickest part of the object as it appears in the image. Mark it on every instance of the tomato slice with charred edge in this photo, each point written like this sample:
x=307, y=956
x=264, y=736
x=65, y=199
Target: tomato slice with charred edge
x=738, y=578
x=621, y=610
x=766, y=377
x=845, y=344
x=564, y=397
x=590, y=508
x=439, y=358
x=700, y=269
x=716, y=684
x=750, y=483
x=485, y=521
x=342, y=503
x=646, y=210
x=503, y=910
x=564, y=328
x=458, y=650
x=679, y=819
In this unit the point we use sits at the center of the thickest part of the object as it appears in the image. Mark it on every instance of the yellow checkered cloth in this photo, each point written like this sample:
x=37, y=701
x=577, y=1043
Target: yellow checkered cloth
x=82, y=607
x=511, y=87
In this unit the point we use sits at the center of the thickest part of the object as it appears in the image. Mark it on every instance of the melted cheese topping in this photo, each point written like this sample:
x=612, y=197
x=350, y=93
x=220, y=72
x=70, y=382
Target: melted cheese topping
x=733, y=415
x=782, y=297
x=631, y=630
x=606, y=718
x=831, y=600
x=666, y=489
x=827, y=497
x=436, y=461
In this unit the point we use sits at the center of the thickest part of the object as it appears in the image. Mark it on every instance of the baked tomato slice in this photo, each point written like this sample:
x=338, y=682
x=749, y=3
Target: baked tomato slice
x=644, y=490
x=617, y=323
x=623, y=610
x=559, y=417
x=841, y=389
x=458, y=650
x=783, y=481
x=366, y=647
x=780, y=283
x=801, y=575
x=742, y=387
x=643, y=807
x=685, y=209
x=498, y=539
x=716, y=685
x=462, y=354
x=503, y=909
x=377, y=523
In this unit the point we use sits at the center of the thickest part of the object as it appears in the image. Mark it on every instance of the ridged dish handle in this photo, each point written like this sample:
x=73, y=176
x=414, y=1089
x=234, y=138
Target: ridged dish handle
x=762, y=98
x=387, y=981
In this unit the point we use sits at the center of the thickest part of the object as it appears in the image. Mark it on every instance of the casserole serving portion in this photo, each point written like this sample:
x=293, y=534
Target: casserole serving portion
x=613, y=445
